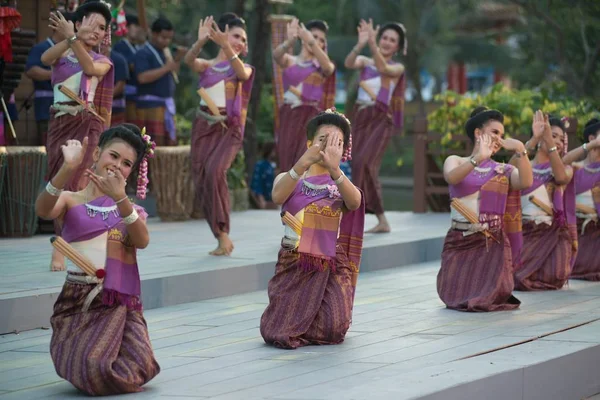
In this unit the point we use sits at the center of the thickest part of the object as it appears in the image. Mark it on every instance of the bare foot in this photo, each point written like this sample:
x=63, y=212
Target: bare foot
x=225, y=246
x=58, y=261
x=382, y=227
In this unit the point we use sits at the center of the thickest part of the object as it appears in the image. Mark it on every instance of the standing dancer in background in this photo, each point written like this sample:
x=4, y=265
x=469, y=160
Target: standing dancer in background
x=548, y=211
x=41, y=74
x=484, y=241
x=309, y=85
x=225, y=83
x=128, y=47
x=121, y=77
x=100, y=341
x=155, y=103
x=587, y=190
x=378, y=112
x=90, y=76
x=311, y=295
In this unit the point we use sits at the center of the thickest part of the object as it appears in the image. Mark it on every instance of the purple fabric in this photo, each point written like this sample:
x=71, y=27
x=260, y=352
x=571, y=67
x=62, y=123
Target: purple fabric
x=538, y=179
x=297, y=201
x=383, y=99
x=40, y=94
x=473, y=182
x=296, y=74
x=236, y=106
x=119, y=103
x=584, y=180
x=122, y=281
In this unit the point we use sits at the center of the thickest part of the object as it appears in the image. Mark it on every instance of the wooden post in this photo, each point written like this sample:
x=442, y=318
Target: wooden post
x=420, y=166
x=141, y=11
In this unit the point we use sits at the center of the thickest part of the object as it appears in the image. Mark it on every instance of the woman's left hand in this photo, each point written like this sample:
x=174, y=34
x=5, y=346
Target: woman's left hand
x=113, y=185
x=333, y=151
x=218, y=36
x=60, y=25
x=305, y=35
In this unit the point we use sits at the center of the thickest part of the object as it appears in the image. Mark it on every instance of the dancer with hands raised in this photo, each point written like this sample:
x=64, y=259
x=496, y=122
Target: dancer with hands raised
x=224, y=86
x=484, y=240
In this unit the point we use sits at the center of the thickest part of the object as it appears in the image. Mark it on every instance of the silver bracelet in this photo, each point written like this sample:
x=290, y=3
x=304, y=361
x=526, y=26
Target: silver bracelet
x=131, y=218
x=235, y=57
x=122, y=200
x=552, y=149
x=72, y=39
x=53, y=191
x=339, y=180
x=293, y=174
x=585, y=149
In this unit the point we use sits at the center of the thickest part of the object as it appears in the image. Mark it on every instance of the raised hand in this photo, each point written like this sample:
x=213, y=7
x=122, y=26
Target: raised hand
x=333, y=151
x=313, y=154
x=218, y=36
x=293, y=29
x=372, y=32
x=204, y=28
x=73, y=152
x=511, y=144
x=483, y=148
x=305, y=35
x=87, y=28
x=113, y=185
x=363, y=32
x=59, y=24
x=539, y=124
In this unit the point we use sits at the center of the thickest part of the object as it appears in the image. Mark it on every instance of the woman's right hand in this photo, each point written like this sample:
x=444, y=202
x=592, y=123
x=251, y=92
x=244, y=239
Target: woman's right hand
x=313, y=154
x=363, y=33
x=74, y=152
x=293, y=29
x=539, y=125
x=204, y=29
x=60, y=25
x=483, y=148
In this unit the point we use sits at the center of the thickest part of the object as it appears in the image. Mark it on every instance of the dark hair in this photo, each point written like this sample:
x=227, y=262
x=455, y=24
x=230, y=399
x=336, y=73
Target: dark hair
x=329, y=118
x=69, y=16
x=480, y=116
x=591, y=128
x=266, y=149
x=557, y=122
x=93, y=6
x=128, y=133
x=232, y=20
x=161, y=24
x=317, y=24
x=132, y=20
x=399, y=29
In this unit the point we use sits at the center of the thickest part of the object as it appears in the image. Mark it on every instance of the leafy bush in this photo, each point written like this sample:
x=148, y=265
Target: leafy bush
x=518, y=107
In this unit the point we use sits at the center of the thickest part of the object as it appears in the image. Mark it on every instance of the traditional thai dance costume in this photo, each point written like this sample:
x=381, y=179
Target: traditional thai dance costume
x=477, y=270
x=549, y=241
x=317, y=94
x=100, y=340
x=312, y=293
x=587, y=190
x=375, y=121
x=70, y=120
x=217, y=139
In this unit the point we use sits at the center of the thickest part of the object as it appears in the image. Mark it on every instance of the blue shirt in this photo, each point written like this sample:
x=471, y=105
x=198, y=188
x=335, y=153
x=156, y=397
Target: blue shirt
x=34, y=59
x=262, y=179
x=147, y=59
x=128, y=51
x=121, y=73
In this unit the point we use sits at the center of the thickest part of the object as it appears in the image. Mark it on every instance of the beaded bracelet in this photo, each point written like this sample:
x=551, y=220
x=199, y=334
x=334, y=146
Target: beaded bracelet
x=131, y=218
x=53, y=191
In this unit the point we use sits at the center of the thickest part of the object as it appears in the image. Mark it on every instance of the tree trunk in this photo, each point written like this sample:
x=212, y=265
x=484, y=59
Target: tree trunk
x=258, y=60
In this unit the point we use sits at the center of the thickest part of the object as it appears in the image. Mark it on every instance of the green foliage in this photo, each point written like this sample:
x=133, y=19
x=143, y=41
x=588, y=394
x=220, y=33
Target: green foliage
x=266, y=115
x=236, y=174
x=518, y=107
x=184, y=129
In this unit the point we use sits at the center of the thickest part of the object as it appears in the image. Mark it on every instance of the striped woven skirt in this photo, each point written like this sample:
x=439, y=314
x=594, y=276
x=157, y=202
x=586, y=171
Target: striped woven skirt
x=103, y=351
x=587, y=263
x=307, y=307
x=291, y=136
x=545, y=257
x=476, y=273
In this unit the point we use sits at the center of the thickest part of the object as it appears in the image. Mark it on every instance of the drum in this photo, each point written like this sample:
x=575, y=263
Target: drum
x=171, y=176
x=22, y=179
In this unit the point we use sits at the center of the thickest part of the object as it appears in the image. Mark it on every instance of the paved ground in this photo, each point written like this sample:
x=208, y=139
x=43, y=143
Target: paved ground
x=402, y=344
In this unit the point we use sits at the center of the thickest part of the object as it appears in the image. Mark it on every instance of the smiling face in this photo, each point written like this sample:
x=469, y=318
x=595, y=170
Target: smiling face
x=99, y=29
x=389, y=42
x=558, y=135
x=116, y=155
x=238, y=40
x=494, y=129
